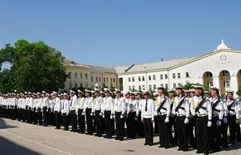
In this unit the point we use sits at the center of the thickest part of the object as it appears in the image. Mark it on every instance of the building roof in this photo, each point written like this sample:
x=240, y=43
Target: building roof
x=96, y=69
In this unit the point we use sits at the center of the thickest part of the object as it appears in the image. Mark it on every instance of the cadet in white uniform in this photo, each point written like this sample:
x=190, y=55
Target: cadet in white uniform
x=73, y=105
x=232, y=108
x=108, y=108
x=202, y=109
x=57, y=109
x=182, y=112
x=147, y=116
x=81, y=112
x=140, y=126
x=119, y=108
x=217, y=112
x=65, y=111
x=45, y=108
x=89, y=109
x=98, y=101
x=163, y=112
x=132, y=118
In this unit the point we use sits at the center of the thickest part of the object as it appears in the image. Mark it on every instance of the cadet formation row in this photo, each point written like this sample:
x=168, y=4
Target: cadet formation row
x=188, y=119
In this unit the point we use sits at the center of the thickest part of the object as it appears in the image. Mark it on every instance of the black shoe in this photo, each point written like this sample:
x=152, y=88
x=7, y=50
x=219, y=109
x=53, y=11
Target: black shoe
x=121, y=139
x=150, y=144
x=179, y=149
x=161, y=146
x=146, y=144
x=185, y=150
x=198, y=152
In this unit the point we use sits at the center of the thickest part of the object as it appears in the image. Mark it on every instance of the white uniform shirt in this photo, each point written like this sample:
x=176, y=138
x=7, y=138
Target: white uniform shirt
x=218, y=110
x=166, y=108
x=232, y=108
x=184, y=109
x=132, y=106
x=80, y=103
x=73, y=103
x=206, y=109
x=57, y=104
x=98, y=101
x=66, y=106
x=89, y=103
x=108, y=104
x=149, y=112
x=120, y=105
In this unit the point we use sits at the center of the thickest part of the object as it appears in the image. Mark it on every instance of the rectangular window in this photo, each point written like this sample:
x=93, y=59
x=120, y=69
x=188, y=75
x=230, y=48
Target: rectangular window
x=86, y=85
x=96, y=79
x=104, y=79
x=80, y=75
x=179, y=84
x=133, y=79
x=178, y=75
x=149, y=77
x=187, y=75
x=166, y=86
x=173, y=75
x=139, y=87
x=143, y=86
x=76, y=75
x=70, y=85
x=139, y=78
x=161, y=77
x=113, y=80
x=154, y=86
x=129, y=87
x=81, y=85
x=143, y=78
x=99, y=79
x=133, y=87
x=166, y=76
x=211, y=84
x=129, y=79
x=227, y=83
x=161, y=85
x=154, y=77
x=91, y=78
x=174, y=85
x=150, y=87
x=86, y=76
x=107, y=80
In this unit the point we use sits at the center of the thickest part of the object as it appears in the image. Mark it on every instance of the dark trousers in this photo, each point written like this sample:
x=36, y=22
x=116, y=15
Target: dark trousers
x=119, y=126
x=29, y=115
x=45, y=114
x=216, y=134
x=131, y=128
x=224, y=132
x=26, y=114
x=190, y=134
x=140, y=126
x=89, y=121
x=73, y=120
x=164, y=132
x=23, y=115
x=156, y=120
x=108, y=124
x=238, y=132
x=232, y=128
x=148, y=128
x=202, y=134
x=98, y=123
x=182, y=133
x=173, y=125
x=57, y=119
x=81, y=121
x=66, y=121
x=40, y=118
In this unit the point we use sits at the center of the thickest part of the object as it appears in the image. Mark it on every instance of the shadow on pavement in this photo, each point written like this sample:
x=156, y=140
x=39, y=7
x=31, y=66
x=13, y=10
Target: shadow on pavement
x=8, y=147
x=3, y=125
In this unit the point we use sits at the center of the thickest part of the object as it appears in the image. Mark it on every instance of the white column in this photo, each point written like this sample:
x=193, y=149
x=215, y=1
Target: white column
x=234, y=84
x=216, y=81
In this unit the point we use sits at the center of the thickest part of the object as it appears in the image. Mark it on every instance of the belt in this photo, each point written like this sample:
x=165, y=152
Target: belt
x=180, y=115
x=201, y=115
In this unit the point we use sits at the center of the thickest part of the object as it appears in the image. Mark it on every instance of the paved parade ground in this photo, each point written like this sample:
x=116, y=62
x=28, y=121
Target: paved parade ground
x=21, y=138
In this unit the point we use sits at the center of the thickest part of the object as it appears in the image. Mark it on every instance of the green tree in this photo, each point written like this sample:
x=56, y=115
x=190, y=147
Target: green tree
x=34, y=66
x=239, y=92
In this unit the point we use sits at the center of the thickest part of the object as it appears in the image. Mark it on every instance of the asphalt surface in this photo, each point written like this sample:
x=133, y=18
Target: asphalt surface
x=17, y=138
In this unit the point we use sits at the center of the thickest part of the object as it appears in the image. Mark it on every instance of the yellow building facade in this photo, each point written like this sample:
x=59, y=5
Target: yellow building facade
x=87, y=76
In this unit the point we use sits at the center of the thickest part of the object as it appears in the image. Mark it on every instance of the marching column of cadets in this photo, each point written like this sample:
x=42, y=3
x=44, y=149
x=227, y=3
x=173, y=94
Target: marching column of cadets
x=186, y=118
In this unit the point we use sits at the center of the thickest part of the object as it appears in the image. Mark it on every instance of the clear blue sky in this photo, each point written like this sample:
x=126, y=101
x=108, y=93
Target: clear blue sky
x=123, y=32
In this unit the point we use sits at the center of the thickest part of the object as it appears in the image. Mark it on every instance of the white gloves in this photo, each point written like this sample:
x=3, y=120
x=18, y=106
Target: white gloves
x=135, y=118
x=121, y=117
x=103, y=116
x=167, y=120
x=237, y=121
x=155, y=113
x=100, y=114
x=91, y=114
x=225, y=120
x=83, y=113
x=111, y=117
x=209, y=124
x=218, y=123
x=193, y=113
x=186, y=121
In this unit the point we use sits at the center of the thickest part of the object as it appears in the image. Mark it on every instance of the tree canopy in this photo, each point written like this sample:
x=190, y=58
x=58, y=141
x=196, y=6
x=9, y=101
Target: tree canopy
x=34, y=67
